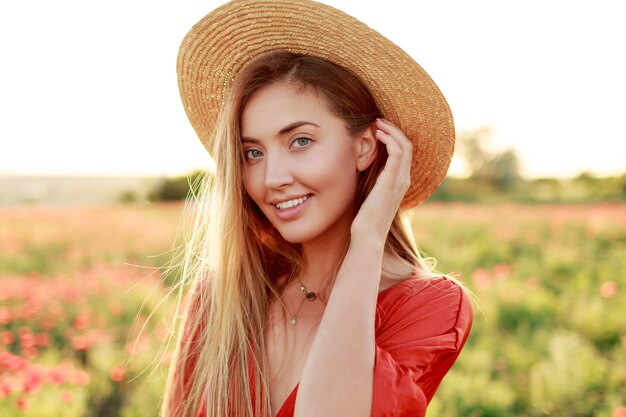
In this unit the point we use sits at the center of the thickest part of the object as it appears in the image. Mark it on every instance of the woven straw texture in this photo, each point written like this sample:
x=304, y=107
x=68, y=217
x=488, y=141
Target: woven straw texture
x=229, y=37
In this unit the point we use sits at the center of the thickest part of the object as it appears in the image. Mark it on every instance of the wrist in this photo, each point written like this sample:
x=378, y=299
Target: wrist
x=373, y=231
x=367, y=242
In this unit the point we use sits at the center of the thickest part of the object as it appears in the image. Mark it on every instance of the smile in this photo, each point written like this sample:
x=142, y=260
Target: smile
x=291, y=203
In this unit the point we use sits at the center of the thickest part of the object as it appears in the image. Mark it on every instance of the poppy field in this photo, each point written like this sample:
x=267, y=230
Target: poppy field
x=83, y=312
x=84, y=316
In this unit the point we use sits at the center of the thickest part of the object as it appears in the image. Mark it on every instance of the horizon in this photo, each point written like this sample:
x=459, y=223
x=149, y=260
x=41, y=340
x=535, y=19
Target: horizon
x=185, y=174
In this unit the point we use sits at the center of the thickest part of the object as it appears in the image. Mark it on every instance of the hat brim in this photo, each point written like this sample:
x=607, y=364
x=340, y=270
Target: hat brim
x=231, y=36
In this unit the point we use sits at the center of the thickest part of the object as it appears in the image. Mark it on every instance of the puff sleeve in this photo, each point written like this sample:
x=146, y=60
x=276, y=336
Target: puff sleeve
x=421, y=327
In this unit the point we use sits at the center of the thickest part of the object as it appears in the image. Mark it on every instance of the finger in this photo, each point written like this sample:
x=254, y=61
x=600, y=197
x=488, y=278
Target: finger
x=391, y=129
x=398, y=165
x=403, y=140
x=395, y=149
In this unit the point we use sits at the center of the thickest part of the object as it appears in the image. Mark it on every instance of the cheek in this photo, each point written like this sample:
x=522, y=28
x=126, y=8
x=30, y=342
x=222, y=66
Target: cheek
x=335, y=173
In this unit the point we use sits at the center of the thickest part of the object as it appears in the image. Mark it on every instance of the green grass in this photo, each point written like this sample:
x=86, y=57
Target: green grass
x=549, y=335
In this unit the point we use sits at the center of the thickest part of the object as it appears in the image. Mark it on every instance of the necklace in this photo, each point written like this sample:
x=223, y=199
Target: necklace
x=308, y=295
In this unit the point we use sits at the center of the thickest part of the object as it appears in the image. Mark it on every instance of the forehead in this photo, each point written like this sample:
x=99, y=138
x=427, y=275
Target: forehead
x=280, y=104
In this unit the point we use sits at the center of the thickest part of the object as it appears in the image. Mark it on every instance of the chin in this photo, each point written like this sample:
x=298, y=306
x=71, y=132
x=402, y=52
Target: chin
x=299, y=233
x=295, y=236
x=311, y=232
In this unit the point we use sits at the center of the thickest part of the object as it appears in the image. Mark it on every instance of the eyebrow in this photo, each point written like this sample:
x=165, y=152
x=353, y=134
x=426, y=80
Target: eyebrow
x=286, y=129
x=295, y=125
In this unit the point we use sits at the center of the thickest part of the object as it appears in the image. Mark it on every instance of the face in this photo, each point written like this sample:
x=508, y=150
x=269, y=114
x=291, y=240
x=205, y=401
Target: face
x=300, y=163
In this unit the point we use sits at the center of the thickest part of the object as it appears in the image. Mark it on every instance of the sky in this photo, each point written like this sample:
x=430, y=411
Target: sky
x=89, y=88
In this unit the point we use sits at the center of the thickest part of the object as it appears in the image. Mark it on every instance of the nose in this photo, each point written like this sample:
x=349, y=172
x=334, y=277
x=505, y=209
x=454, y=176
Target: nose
x=278, y=173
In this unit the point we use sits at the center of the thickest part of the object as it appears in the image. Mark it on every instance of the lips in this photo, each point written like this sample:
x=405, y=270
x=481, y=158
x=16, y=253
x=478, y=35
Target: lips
x=293, y=207
x=291, y=202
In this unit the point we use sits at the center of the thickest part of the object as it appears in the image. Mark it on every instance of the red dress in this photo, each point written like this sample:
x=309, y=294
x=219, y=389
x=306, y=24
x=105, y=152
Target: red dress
x=421, y=327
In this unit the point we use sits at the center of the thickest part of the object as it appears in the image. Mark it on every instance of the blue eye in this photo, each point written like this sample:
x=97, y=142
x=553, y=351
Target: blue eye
x=253, y=154
x=301, y=142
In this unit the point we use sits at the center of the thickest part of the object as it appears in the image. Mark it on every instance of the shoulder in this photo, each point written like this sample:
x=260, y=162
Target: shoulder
x=440, y=293
x=434, y=310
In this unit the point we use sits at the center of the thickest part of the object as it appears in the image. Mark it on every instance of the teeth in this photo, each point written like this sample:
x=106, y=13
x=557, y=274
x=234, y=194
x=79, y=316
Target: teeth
x=291, y=203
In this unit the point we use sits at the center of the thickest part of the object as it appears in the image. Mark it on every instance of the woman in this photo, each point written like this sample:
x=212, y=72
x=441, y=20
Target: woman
x=309, y=295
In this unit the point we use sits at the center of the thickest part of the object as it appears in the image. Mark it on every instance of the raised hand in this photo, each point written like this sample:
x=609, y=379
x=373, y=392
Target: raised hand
x=375, y=216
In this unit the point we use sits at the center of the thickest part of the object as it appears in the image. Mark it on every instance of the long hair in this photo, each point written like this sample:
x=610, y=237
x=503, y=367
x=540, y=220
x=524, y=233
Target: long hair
x=234, y=256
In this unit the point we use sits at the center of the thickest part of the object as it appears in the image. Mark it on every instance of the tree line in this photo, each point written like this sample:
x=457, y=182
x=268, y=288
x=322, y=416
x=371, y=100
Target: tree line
x=493, y=177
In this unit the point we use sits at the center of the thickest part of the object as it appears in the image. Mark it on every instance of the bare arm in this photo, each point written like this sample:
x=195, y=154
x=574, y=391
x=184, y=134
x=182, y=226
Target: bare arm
x=337, y=379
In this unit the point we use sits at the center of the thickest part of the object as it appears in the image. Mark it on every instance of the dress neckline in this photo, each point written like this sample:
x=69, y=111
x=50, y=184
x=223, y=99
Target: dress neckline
x=291, y=394
x=382, y=293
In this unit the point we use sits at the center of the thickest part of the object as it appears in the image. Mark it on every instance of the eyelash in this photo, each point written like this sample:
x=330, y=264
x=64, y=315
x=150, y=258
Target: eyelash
x=247, y=151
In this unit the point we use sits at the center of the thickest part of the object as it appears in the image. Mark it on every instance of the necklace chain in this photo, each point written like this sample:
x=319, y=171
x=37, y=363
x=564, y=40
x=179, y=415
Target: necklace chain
x=307, y=295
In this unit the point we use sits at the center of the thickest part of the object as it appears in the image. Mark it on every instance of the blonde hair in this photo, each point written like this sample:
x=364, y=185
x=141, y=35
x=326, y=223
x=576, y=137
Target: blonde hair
x=234, y=256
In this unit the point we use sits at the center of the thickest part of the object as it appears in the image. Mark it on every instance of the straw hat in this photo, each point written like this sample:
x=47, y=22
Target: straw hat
x=231, y=36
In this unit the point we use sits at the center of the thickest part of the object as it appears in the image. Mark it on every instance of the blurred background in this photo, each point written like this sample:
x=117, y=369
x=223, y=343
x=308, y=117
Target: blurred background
x=97, y=156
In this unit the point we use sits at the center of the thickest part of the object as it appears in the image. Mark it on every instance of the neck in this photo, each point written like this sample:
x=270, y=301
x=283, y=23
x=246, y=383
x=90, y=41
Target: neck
x=322, y=259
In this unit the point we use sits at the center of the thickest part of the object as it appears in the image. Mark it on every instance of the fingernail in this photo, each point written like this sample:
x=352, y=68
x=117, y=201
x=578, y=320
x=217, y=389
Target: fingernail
x=379, y=132
x=380, y=119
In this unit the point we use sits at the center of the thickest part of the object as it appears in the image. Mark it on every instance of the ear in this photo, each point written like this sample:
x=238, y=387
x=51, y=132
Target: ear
x=365, y=148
